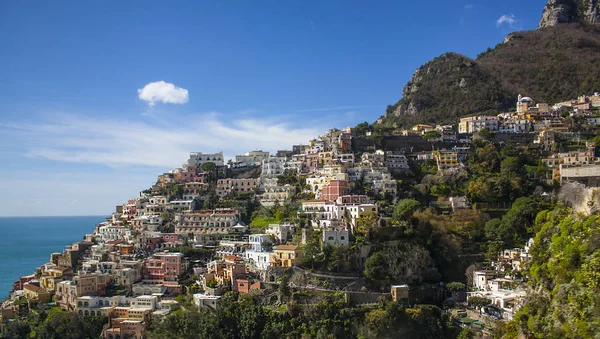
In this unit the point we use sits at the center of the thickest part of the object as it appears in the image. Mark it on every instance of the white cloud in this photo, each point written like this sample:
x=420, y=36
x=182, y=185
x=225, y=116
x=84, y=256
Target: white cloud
x=510, y=20
x=165, y=92
x=469, y=6
x=157, y=143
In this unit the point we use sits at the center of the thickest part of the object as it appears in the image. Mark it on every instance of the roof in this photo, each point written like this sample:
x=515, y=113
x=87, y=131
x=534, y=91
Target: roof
x=286, y=247
x=34, y=288
x=62, y=269
x=233, y=258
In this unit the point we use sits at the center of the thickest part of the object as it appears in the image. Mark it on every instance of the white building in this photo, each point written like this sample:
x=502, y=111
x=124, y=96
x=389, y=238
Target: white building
x=273, y=166
x=281, y=232
x=257, y=255
x=249, y=159
x=477, y=123
x=335, y=237
x=197, y=159
x=207, y=302
x=111, y=232
x=396, y=161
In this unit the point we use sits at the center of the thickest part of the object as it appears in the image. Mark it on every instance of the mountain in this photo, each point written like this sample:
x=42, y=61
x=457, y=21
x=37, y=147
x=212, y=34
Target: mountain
x=449, y=86
x=570, y=11
x=556, y=62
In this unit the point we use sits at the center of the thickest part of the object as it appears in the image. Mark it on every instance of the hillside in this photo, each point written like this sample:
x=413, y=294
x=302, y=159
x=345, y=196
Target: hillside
x=446, y=88
x=551, y=64
x=564, y=273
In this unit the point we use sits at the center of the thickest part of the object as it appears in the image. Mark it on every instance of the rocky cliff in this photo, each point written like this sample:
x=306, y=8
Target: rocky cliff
x=447, y=87
x=570, y=11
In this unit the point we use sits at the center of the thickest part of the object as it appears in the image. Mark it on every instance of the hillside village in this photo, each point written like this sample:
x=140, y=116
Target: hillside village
x=320, y=219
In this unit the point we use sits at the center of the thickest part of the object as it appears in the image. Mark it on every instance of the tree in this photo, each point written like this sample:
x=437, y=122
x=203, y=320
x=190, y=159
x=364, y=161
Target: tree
x=208, y=166
x=455, y=286
x=405, y=208
x=431, y=135
x=376, y=266
x=478, y=301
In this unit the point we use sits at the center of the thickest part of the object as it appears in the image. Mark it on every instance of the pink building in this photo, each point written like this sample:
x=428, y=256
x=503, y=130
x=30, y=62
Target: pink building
x=170, y=237
x=353, y=200
x=173, y=264
x=335, y=189
x=192, y=176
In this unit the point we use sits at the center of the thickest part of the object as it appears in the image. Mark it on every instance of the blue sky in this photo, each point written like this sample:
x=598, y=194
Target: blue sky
x=85, y=122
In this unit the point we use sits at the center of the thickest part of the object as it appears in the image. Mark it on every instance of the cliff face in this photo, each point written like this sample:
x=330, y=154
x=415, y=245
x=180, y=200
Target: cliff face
x=570, y=11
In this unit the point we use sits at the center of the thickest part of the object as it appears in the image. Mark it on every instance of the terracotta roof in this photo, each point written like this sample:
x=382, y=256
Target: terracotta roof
x=316, y=201
x=233, y=258
x=113, y=242
x=286, y=247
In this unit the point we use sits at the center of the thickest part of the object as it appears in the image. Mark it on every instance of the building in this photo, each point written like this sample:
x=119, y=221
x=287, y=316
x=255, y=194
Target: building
x=273, y=166
x=588, y=175
x=396, y=161
x=257, y=255
x=475, y=124
x=217, y=221
x=197, y=159
x=172, y=264
x=249, y=159
x=515, y=126
x=193, y=190
x=36, y=294
x=446, y=159
x=228, y=186
x=278, y=194
x=335, y=237
x=400, y=292
x=281, y=232
x=334, y=189
x=207, y=302
x=287, y=255
x=481, y=278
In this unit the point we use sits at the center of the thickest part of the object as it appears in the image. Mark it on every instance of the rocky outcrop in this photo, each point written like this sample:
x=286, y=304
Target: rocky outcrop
x=445, y=88
x=570, y=11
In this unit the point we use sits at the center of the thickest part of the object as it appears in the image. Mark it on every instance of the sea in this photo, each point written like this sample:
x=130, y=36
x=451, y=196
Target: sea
x=26, y=243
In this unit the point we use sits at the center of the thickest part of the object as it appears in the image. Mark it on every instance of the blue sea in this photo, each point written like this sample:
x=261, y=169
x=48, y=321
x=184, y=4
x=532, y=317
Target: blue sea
x=26, y=243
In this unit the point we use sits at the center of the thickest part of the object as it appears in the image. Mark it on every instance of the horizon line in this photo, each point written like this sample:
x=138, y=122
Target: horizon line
x=51, y=216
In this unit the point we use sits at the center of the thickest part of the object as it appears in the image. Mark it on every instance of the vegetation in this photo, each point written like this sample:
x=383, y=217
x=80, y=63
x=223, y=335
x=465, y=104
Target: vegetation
x=54, y=323
x=565, y=272
x=550, y=65
x=242, y=317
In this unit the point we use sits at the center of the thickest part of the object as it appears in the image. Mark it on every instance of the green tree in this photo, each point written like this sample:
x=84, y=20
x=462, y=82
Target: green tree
x=405, y=208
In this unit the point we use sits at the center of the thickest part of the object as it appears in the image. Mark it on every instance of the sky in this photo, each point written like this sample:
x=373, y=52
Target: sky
x=97, y=98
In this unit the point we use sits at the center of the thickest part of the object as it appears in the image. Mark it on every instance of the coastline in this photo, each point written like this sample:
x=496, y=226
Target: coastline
x=27, y=246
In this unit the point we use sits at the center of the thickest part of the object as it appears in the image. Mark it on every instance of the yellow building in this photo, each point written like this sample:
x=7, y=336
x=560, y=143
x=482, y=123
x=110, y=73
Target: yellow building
x=325, y=158
x=36, y=293
x=287, y=255
x=446, y=159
